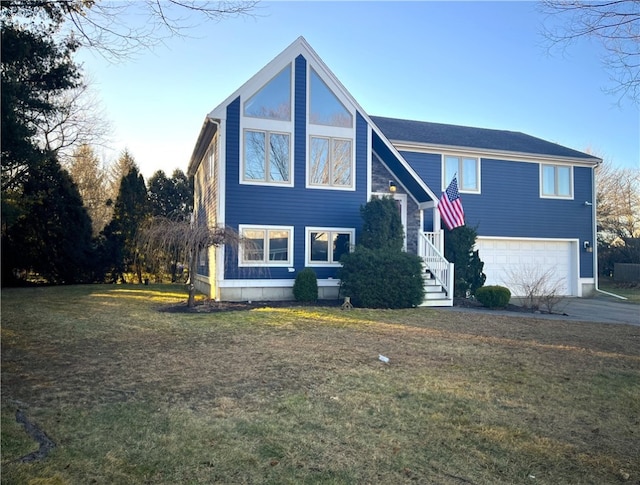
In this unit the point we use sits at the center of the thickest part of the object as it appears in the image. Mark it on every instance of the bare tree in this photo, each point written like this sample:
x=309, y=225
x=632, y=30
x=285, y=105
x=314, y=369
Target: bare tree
x=90, y=176
x=79, y=120
x=160, y=237
x=618, y=202
x=118, y=30
x=614, y=23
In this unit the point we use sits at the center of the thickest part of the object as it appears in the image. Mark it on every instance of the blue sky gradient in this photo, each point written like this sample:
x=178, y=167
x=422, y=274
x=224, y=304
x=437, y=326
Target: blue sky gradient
x=483, y=64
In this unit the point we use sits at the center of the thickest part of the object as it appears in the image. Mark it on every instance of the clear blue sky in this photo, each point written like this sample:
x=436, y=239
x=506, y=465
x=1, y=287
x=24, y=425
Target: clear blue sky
x=475, y=64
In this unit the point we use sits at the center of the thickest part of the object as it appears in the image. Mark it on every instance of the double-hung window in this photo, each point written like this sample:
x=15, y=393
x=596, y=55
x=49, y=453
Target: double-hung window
x=266, y=245
x=325, y=246
x=467, y=171
x=556, y=181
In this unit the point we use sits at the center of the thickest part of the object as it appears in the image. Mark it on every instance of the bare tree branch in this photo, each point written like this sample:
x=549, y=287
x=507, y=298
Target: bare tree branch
x=615, y=24
x=118, y=31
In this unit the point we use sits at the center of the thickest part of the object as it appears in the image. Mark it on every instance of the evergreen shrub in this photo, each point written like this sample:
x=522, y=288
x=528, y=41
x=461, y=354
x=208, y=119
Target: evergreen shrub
x=493, y=296
x=459, y=249
x=305, y=288
x=382, y=278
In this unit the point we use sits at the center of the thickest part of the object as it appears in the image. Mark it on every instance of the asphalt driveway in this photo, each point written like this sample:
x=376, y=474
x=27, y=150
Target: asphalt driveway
x=601, y=309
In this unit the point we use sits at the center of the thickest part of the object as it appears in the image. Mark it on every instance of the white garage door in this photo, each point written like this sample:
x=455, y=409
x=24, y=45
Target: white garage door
x=508, y=262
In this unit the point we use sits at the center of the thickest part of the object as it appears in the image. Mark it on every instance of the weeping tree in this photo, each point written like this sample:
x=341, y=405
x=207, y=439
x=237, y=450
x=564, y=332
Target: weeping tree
x=161, y=238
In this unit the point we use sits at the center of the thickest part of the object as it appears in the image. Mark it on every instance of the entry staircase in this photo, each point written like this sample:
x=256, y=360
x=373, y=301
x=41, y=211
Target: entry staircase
x=438, y=272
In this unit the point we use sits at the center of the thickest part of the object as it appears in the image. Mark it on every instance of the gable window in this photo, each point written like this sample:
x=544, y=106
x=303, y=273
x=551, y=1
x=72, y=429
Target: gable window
x=467, y=170
x=330, y=162
x=324, y=107
x=556, y=181
x=325, y=246
x=266, y=157
x=266, y=246
x=273, y=100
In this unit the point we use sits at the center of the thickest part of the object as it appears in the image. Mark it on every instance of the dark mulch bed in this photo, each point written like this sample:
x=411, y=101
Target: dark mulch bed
x=471, y=303
x=234, y=306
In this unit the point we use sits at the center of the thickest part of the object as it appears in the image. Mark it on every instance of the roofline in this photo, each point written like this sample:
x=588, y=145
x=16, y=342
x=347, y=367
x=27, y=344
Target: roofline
x=207, y=132
x=500, y=154
x=297, y=47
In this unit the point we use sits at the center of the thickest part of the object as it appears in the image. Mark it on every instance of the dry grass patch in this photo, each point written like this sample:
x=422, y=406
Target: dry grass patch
x=297, y=395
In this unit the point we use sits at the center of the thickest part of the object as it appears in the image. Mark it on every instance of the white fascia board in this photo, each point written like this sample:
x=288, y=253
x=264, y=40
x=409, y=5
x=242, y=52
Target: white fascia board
x=264, y=75
x=403, y=162
x=301, y=47
x=397, y=180
x=495, y=154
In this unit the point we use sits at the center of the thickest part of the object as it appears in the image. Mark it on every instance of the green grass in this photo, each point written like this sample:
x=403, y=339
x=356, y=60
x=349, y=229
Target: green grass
x=630, y=292
x=133, y=395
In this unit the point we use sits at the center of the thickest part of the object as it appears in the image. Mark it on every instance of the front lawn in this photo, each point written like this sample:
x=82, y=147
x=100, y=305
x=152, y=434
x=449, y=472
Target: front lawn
x=132, y=395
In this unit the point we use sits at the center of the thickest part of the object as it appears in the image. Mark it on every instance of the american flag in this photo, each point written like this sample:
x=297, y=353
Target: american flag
x=450, y=206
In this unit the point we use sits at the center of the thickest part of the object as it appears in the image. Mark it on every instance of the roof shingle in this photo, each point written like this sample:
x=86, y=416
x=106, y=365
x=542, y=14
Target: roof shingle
x=468, y=137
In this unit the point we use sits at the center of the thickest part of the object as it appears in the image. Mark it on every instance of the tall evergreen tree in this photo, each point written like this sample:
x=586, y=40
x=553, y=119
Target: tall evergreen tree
x=170, y=197
x=52, y=236
x=130, y=211
x=34, y=69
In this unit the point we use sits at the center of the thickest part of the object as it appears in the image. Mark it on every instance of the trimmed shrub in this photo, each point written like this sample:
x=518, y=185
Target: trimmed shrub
x=381, y=224
x=382, y=278
x=305, y=288
x=493, y=296
x=458, y=249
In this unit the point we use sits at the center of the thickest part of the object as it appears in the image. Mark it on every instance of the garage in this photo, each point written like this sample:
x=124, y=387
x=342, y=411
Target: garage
x=508, y=261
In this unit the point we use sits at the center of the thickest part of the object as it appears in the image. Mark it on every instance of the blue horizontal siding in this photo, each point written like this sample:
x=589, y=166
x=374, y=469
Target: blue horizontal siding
x=510, y=205
x=291, y=206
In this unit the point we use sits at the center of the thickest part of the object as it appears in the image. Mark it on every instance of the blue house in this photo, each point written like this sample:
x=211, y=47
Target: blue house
x=290, y=157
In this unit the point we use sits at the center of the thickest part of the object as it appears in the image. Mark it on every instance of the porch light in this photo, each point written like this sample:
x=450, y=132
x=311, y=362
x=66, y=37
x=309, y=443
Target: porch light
x=392, y=186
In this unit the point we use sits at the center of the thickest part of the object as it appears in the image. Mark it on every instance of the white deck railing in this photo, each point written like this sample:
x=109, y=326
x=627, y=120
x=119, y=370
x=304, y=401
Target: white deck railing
x=436, y=263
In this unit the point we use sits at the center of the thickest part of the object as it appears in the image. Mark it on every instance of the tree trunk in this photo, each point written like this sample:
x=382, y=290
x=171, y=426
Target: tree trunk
x=191, y=302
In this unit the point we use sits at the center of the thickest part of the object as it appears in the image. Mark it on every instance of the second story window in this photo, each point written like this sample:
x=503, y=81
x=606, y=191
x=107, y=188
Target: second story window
x=467, y=170
x=273, y=100
x=266, y=157
x=330, y=162
x=556, y=181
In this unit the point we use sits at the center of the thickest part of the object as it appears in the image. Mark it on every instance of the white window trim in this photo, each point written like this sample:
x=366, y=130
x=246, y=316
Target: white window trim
x=460, y=174
x=350, y=187
x=284, y=127
x=269, y=131
x=272, y=264
x=307, y=245
x=541, y=180
x=332, y=132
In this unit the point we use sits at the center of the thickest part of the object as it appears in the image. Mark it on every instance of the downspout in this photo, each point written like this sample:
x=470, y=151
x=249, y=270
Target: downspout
x=595, y=233
x=219, y=268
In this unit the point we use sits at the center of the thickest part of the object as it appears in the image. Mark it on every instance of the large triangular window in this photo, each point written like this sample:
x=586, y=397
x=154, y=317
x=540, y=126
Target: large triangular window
x=273, y=100
x=325, y=107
